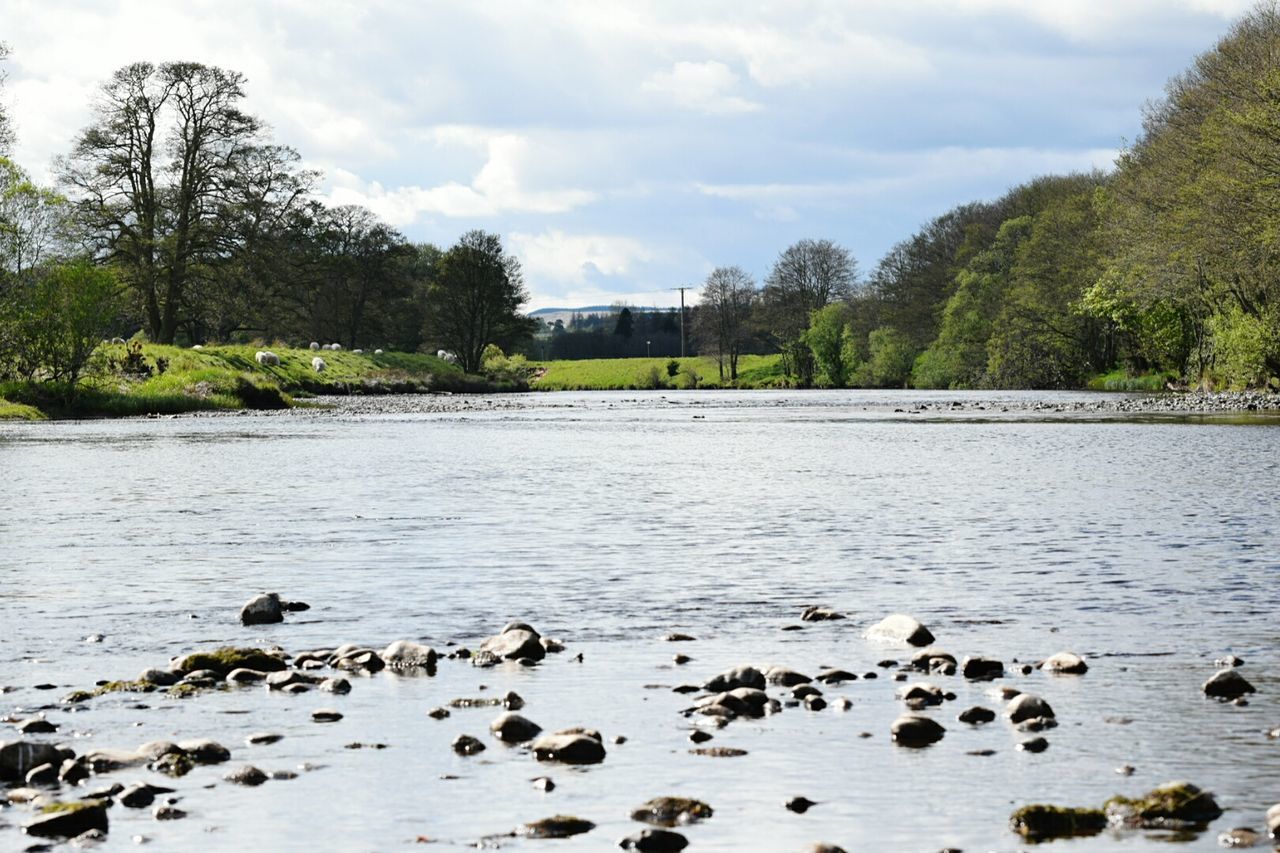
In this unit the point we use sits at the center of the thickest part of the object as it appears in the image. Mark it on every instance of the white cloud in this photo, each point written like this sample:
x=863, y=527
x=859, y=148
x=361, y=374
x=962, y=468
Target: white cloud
x=701, y=86
x=555, y=258
x=497, y=188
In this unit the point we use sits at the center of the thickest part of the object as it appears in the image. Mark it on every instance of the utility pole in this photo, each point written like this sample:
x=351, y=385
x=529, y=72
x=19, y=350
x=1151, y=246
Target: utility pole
x=682, y=290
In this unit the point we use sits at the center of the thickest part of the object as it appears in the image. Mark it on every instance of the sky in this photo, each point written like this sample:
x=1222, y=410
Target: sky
x=625, y=149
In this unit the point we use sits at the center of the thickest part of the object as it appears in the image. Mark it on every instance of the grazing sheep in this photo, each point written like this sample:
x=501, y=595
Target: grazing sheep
x=318, y=364
x=357, y=352
x=335, y=347
x=315, y=345
x=377, y=352
x=445, y=355
x=266, y=357
x=198, y=346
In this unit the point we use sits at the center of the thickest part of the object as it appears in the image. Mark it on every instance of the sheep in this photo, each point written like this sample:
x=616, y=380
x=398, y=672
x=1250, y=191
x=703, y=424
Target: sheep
x=198, y=346
x=318, y=365
x=117, y=341
x=357, y=352
x=335, y=347
x=266, y=357
x=445, y=355
x=315, y=345
x=377, y=352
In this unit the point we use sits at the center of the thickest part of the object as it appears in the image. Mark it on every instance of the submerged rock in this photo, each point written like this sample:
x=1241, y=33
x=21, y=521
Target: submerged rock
x=1240, y=836
x=67, y=820
x=912, y=730
x=560, y=826
x=513, y=728
x=247, y=775
x=1024, y=706
x=1273, y=821
x=223, y=660
x=265, y=609
x=814, y=613
x=799, y=805
x=900, y=628
x=108, y=760
x=1035, y=744
x=922, y=693
x=405, y=654
x=655, y=841
x=326, y=715
x=1064, y=663
x=467, y=745
x=976, y=715
x=517, y=640
x=1228, y=684
x=17, y=758
x=205, y=751
x=785, y=676
x=1042, y=822
x=569, y=748
x=672, y=811
x=1172, y=803
x=173, y=764
x=742, y=676
x=719, y=751
x=981, y=669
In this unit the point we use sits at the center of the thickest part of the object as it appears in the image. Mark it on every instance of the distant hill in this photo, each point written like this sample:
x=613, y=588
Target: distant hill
x=588, y=309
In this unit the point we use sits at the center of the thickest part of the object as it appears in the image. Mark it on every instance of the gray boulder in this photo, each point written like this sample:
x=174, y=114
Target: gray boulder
x=981, y=669
x=742, y=676
x=17, y=758
x=1228, y=684
x=405, y=654
x=265, y=609
x=1064, y=663
x=70, y=820
x=1026, y=706
x=513, y=728
x=900, y=628
x=517, y=640
x=569, y=748
x=913, y=730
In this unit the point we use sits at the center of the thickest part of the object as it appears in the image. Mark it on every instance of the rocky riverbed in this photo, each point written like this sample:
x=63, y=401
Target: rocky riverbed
x=898, y=700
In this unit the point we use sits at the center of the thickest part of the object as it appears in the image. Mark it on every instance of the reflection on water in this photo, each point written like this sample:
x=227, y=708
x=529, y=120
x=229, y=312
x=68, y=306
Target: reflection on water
x=610, y=520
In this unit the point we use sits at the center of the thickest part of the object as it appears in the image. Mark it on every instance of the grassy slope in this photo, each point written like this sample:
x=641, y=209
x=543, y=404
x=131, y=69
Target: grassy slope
x=228, y=377
x=617, y=374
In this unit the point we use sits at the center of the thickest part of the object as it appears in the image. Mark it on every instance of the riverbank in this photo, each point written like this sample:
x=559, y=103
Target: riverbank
x=167, y=380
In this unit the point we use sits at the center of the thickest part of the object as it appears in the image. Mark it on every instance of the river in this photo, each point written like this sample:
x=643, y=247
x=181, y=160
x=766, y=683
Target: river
x=1147, y=545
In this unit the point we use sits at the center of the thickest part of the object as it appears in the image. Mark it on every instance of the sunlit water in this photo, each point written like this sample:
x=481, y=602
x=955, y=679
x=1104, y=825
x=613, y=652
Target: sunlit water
x=610, y=520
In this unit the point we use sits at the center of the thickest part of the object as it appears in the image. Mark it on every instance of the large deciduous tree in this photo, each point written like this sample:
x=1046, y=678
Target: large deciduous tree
x=155, y=176
x=475, y=299
x=6, y=127
x=807, y=276
x=724, y=316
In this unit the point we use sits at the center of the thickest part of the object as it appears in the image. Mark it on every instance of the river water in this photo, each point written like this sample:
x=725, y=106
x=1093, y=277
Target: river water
x=1148, y=545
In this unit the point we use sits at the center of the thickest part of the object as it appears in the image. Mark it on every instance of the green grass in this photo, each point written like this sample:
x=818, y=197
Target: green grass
x=1122, y=380
x=228, y=377
x=625, y=374
x=19, y=412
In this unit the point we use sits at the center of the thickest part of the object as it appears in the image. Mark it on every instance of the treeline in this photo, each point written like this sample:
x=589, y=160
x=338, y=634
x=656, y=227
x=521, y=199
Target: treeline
x=176, y=214
x=1166, y=267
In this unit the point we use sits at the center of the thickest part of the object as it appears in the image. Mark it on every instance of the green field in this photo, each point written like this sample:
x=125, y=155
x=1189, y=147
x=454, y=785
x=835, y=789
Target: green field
x=228, y=377
x=625, y=374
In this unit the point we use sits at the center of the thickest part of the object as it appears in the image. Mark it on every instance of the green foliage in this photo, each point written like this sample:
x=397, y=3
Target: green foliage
x=830, y=338
x=1121, y=379
x=673, y=367
x=1245, y=346
x=19, y=412
x=889, y=366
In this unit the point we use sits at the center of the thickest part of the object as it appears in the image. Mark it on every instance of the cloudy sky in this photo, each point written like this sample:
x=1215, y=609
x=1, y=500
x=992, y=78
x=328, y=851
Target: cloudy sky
x=624, y=149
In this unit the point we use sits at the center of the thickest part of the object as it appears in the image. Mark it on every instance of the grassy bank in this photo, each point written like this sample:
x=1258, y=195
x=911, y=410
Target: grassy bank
x=173, y=380
x=626, y=374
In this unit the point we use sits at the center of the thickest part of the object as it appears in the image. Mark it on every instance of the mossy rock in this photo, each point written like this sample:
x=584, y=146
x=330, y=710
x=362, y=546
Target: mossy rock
x=671, y=811
x=1040, y=822
x=67, y=820
x=1171, y=805
x=124, y=687
x=227, y=658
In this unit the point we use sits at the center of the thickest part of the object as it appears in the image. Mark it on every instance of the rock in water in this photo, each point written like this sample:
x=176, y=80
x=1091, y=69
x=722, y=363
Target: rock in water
x=913, y=730
x=655, y=841
x=1173, y=801
x=977, y=715
x=467, y=745
x=1228, y=684
x=1026, y=706
x=560, y=826
x=1041, y=822
x=247, y=775
x=17, y=758
x=814, y=613
x=517, y=640
x=569, y=748
x=264, y=609
x=1065, y=663
x=205, y=751
x=1273, y=821
x=513, y=728
x=742, y=676
x=900, y=628
x=672, y=811
x=67, y=820
x=981, y=669
x=404, y=654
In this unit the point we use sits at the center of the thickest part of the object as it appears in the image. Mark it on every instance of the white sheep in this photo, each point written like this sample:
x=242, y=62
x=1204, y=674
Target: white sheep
x=198, y=346
x=335, y=347
x=377, y=352
x=318, y=365
x=445, y=355
x=315, y=345
x=357, y=352
x=266, y=357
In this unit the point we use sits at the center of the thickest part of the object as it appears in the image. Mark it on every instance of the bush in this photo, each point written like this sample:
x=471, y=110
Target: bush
x=891, y=359
x=651, y=379
x=1243, y=345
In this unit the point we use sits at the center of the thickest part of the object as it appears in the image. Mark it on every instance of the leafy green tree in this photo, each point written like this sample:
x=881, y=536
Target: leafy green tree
x=67, y=309
x=890, y=361
x=475, y=300
x=807, y=276
x=830, y=338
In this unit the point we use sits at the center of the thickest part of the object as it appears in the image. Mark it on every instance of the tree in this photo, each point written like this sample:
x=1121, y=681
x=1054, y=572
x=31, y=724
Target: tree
x=154, y=176
x=66, y=310
x=475, y=300
x=6, y=128
x=723, y=320
x=624, y=324
x=830, y=338
x=808, y=275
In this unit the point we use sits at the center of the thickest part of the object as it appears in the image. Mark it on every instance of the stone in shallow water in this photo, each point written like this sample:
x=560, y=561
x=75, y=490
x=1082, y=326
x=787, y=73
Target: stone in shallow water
x=1065, y=663
x=1173, y=801
x=263, y=738
x=913, y=730
x=718, y=751
x=976, y=715
x=513, y=728
x=654, y=841
x=517, y=640
x=1228, y=684
x=264, y=609
x=799, y=805
x=406, y=654
x=1241, y=836
x=900, y=628
x=1042, y=822
x=559, y=826
x=467, y=745
x=1035, y=744
x=18, y=757
x=981, y=669
x=205, y=751
x=815, y=613
x=1024, y=706
x=67, y=820
x=672, y=811
x=569, y=748
x=326, y=715
x=247, y=775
